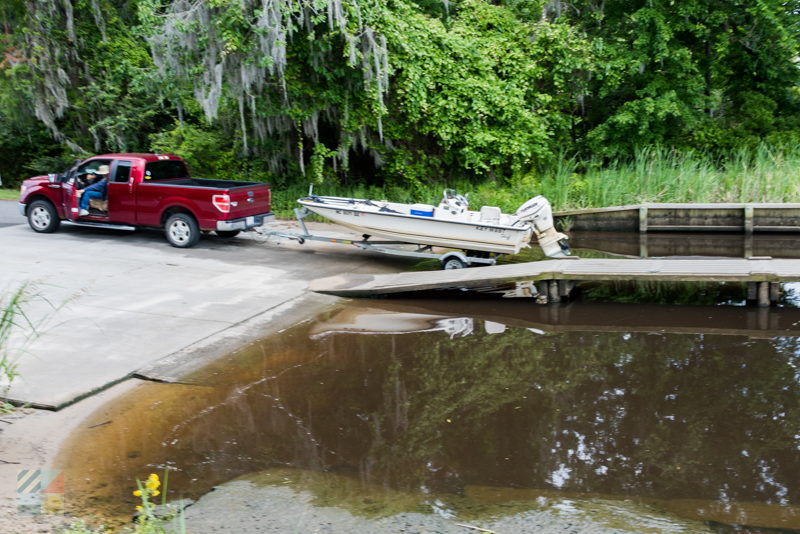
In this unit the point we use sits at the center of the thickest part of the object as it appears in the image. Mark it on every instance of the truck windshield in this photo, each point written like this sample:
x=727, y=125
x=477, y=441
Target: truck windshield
x=164, y=170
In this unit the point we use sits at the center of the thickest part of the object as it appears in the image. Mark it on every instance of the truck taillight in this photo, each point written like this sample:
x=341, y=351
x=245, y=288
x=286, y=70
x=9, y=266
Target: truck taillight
x=222, y=203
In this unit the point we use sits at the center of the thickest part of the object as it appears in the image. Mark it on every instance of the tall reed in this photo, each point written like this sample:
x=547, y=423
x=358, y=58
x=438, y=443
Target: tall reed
x=652, y=174
x=12, y=317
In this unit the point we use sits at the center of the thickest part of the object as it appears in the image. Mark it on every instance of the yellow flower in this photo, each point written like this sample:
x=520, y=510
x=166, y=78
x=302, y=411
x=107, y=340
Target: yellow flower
x=156, y=493
x=138, y=507
x=152, y=482
x=137, y=493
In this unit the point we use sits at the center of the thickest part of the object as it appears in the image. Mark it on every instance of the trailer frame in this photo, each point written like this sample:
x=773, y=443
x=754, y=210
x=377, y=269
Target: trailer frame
x=452, y=259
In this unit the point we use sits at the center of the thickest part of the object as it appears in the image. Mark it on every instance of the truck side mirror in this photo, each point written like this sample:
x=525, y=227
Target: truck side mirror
x=52, y=178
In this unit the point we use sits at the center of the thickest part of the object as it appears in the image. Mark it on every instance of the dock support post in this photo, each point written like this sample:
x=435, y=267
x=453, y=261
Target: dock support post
x=643, y=246
x=748, y=220
x=643, y=219
x=748, y=245
x=763, y=294
x=565, y=287
x=543, y=292
x=752, y=291
x=553, y=295
x=774, y=292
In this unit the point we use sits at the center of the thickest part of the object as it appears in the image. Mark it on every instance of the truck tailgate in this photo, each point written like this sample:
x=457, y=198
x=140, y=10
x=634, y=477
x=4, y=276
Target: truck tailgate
x=248, y=200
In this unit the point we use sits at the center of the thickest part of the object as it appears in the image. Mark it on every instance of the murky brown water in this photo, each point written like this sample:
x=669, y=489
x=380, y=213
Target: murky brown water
x=488, y=406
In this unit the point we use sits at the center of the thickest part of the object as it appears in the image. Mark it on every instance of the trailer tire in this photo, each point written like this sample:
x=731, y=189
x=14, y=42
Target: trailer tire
x=182, y=231
x=43, y=217
x=227, y=234
x=453, y=262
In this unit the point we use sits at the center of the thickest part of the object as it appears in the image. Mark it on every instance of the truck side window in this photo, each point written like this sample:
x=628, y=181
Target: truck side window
x=165, y=170
x=123, y=171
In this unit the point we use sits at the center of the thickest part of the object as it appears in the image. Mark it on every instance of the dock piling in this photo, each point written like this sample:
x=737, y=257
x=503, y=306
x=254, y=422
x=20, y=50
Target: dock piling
x=763, y=294
x=774, y=292
x=748, y=219
x=643, y=219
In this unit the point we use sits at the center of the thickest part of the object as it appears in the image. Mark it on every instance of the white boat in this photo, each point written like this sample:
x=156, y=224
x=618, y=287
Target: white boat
x=449, y=225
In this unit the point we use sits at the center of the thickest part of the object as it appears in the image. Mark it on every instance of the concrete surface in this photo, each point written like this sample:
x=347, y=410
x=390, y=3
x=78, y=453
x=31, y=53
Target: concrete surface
x=107, y=304
x=30, y=439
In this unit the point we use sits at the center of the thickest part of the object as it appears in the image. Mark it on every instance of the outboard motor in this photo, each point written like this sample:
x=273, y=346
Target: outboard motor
x=538, y=212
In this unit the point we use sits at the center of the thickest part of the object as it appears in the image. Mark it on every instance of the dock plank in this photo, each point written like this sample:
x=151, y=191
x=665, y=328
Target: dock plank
x=579, y=269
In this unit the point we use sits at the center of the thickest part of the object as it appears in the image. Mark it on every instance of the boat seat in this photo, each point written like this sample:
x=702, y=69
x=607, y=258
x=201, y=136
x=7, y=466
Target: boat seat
x=490, y=214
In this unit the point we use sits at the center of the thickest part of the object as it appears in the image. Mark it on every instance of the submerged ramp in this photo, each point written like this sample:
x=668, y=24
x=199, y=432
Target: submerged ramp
x=561, y=273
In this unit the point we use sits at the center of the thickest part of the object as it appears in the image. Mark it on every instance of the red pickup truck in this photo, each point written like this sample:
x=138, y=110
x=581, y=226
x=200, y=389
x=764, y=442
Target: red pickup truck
x=147, y=190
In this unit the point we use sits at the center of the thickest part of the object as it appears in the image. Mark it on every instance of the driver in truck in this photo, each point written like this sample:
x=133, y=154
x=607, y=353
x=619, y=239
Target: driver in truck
x=96, y=190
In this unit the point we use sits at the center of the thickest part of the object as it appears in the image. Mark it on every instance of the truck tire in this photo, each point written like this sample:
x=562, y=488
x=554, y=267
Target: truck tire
x=182, y=231
x=228, y=233
x=42, y=217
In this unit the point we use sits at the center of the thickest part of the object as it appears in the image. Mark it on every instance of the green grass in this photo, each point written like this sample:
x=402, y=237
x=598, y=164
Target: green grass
x=765, y=174
x=659, y=175
x=9, y=194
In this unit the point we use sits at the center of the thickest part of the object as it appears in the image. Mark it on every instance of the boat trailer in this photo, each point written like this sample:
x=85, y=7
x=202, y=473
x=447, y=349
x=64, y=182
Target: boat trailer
x=452, y=259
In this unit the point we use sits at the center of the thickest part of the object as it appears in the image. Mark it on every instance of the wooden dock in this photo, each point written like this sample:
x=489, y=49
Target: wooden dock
x=676, y=217
x=729, y=245
x=551, y=280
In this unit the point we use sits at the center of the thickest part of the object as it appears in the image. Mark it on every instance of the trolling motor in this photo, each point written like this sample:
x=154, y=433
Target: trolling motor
x=538, y=212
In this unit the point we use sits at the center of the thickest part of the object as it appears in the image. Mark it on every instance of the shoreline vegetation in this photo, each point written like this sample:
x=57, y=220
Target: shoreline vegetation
x=765, y=174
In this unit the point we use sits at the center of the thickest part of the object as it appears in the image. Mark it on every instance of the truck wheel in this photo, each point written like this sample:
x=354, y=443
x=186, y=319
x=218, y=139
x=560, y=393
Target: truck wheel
x=182, y=231
x=42, y=217
x=228, y=233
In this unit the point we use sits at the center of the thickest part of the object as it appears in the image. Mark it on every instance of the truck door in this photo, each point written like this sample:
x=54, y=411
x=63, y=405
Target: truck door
x=69, y=198
x=121, y=194
x=72, y=184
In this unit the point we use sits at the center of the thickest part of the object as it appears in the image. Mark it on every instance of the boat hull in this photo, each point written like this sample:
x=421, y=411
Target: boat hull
x=423, y=230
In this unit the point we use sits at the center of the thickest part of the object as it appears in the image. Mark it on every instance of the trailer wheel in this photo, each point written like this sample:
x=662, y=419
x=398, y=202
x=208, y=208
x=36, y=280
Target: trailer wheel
x=42, y=217
x=227, y=234
x=453, y=263
x=182, y=231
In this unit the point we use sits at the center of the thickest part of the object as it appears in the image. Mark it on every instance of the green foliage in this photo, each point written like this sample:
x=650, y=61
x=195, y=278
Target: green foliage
x=470, y=86
x=209, y=153
x=403, y=93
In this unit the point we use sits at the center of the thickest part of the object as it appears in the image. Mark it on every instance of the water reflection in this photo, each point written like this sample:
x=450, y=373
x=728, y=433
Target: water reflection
x=692, y=410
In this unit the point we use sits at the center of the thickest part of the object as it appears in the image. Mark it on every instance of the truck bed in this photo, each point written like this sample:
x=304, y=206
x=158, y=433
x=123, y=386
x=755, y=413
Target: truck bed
x=202, y=182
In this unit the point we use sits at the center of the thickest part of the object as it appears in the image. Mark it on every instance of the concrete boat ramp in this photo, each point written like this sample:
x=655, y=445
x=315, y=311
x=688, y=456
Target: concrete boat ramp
x=553, y=279
x=108, y=306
